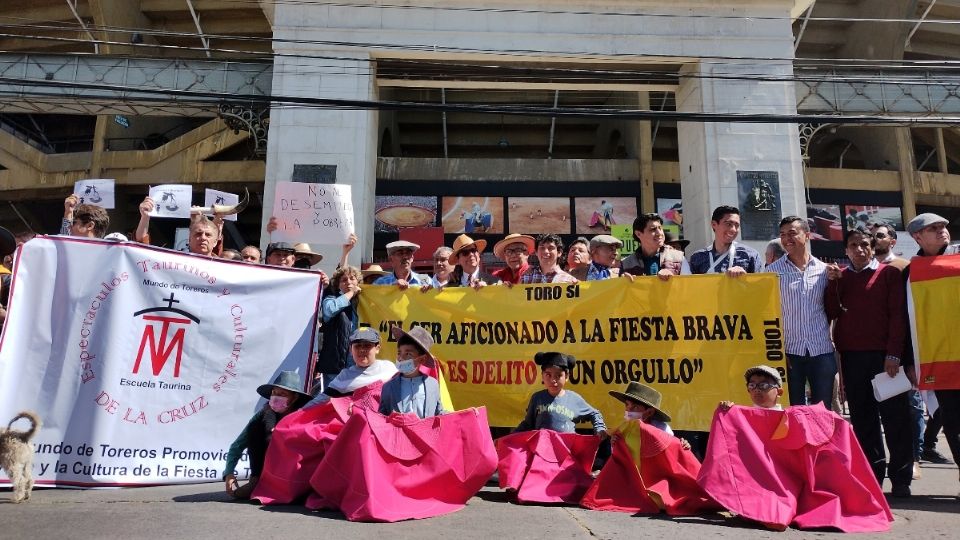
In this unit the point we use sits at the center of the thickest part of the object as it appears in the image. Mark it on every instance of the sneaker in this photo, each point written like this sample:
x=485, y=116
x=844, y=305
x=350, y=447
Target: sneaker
x=916, y=470
x=934, y=456
x=900, y=491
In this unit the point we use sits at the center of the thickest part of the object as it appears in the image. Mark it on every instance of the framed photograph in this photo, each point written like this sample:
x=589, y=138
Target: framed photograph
x=538, y=215
x=472, y=215
x=596, y=215
x=824, y=221
x=395, y=212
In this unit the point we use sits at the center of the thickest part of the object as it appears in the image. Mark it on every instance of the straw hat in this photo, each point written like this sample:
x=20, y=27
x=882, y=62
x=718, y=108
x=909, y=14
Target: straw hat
x=462, y=242
x=303, y=250
x=513, y=239
x=642, y=394
x=373, y=270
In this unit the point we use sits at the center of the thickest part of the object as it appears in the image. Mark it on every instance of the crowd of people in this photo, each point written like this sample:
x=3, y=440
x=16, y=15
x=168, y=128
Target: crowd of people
x=842, y=327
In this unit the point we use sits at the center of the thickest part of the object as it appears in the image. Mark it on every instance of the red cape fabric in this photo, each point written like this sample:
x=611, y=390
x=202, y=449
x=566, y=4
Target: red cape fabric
x=648, y=472
x=547, y=466
x=802, y=466
x=397, y=467
x=300, y=441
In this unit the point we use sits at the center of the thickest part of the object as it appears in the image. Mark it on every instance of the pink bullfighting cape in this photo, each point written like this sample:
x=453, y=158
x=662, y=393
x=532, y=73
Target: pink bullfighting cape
x=391, y=468
x=802, y=466
x=300, y=441
x=648, y=472
x=547, y=466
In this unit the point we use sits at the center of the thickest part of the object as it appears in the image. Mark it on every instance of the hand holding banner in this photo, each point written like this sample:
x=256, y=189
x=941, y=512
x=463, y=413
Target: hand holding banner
x=171, y=200
x=98, y=191
x=312, y=213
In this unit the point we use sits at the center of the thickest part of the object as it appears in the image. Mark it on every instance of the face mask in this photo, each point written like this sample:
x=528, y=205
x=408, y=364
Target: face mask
x=632, y=415
x=279, y=403
x=406, y=366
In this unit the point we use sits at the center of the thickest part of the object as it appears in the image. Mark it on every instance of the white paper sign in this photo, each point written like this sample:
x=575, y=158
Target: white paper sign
x=171, y=200
x=98, y=191
x=214, y=196
x=181, y=239
x=312, y=213
x=149, y=361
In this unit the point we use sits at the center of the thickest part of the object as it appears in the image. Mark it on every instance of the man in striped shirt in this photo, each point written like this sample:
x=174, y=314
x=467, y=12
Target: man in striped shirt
x=803, y=280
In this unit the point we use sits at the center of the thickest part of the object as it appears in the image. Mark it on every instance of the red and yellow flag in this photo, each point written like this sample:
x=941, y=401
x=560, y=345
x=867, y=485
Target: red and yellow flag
x=934, y=311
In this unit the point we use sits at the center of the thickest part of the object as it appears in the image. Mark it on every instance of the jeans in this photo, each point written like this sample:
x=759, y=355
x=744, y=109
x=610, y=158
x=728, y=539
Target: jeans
x=918, y=421
x=818, y=370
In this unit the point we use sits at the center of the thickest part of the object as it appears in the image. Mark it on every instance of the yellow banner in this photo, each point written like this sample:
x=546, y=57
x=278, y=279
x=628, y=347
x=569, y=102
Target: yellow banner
x=691, y=338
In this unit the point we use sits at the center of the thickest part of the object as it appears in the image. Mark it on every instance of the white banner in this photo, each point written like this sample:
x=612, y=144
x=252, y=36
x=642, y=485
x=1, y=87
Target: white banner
x=143, y=362
x=312, y=213
x=171, y=200
x=98, y=191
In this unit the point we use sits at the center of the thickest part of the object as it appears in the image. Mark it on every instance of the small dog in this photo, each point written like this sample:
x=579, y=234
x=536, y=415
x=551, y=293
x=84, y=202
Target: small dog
x=16, y=455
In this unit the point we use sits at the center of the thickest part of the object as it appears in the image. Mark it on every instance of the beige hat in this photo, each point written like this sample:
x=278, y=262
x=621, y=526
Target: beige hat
x=514, y=239
x=303, y=250
x=374, y=270
x=401, y=244
x=605, y=240
x=462, y=242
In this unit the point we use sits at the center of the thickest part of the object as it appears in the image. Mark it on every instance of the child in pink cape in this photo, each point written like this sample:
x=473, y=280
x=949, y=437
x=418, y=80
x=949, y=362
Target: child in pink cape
x=802, y=466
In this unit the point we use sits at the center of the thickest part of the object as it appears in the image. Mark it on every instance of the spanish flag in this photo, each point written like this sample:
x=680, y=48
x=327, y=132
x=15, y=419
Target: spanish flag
x=934, y=305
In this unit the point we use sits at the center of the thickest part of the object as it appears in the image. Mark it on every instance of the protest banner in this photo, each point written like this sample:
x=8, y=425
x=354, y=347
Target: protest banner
x=312, y=213
x=215, y=196
x=932, y=302
x=691, y=338
x=143, y=362
x=624, y=233
x=98, y=191
x=171, y=200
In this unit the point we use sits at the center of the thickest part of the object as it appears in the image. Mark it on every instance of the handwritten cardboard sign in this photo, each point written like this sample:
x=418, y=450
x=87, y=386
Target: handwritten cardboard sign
x=98, y=191
x=171, y=200
x=312, y=213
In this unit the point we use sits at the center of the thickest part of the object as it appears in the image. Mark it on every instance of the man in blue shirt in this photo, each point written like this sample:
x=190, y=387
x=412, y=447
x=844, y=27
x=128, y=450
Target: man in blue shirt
x=400, y=254
x=725, y=255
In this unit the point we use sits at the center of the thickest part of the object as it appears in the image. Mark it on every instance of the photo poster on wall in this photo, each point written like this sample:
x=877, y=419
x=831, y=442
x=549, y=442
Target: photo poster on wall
x=597, y=215
x=824, y=222
x=472, y=215
x=395, y=212
x=671, y=211
x=539, y=215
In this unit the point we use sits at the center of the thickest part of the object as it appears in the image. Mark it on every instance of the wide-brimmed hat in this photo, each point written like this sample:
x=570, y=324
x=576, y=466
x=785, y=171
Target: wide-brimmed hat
x=303, y=250
x=642, y=394
x=554, y=359
x=669, y=239
x=513, y=239
x=763, y=370
x=418, y=335
x=280, y=246
x=463, y=242
x=373, y=270
x=401, y=244
x=287, y=380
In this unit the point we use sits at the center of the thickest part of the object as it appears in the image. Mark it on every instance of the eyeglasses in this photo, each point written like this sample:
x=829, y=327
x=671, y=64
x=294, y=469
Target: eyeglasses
x=880, y=235
x=763, y=386
x=516, y=251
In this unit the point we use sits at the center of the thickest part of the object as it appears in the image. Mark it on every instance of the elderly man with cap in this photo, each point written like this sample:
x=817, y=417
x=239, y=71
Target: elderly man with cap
x=653, y=257
x=514, y=249
x=931, y=234
x=603, y=259
x=725, y=255
x=466, y=256
x=400, y=254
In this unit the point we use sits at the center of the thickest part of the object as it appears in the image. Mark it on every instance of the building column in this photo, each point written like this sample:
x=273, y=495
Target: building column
x=305, y=136
x=711, y=153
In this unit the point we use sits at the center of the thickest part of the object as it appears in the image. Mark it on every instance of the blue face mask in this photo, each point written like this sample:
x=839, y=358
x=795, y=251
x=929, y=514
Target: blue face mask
x=406, y=367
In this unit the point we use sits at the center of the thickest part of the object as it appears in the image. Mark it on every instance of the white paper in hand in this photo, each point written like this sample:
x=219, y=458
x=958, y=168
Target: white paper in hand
x=214, y=196
x=171, y=200
x=885, y=386
x=98, y=191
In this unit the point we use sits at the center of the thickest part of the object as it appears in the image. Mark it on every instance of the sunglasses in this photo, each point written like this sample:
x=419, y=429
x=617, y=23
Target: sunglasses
x=880, y=235
x=468, y=251
x=763, y=386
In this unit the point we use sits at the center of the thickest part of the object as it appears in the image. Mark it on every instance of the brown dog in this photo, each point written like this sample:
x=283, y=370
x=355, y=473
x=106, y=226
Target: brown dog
x=16, y=455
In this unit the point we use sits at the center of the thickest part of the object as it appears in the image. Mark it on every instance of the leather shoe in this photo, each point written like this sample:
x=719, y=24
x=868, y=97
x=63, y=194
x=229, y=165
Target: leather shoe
x=900, y=491
x=934, y=456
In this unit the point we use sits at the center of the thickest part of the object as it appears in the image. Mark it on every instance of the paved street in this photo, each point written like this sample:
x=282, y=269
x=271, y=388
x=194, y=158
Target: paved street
x=203, y=511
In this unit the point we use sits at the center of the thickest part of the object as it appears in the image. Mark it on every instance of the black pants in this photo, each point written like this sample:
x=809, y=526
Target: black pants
x=932, y=431
x=949, y=411
x=867, y=416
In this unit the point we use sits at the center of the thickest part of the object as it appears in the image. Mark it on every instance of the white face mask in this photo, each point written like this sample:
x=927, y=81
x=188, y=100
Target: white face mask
x=279, y=403
x=406, y=366
x=632, y=415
